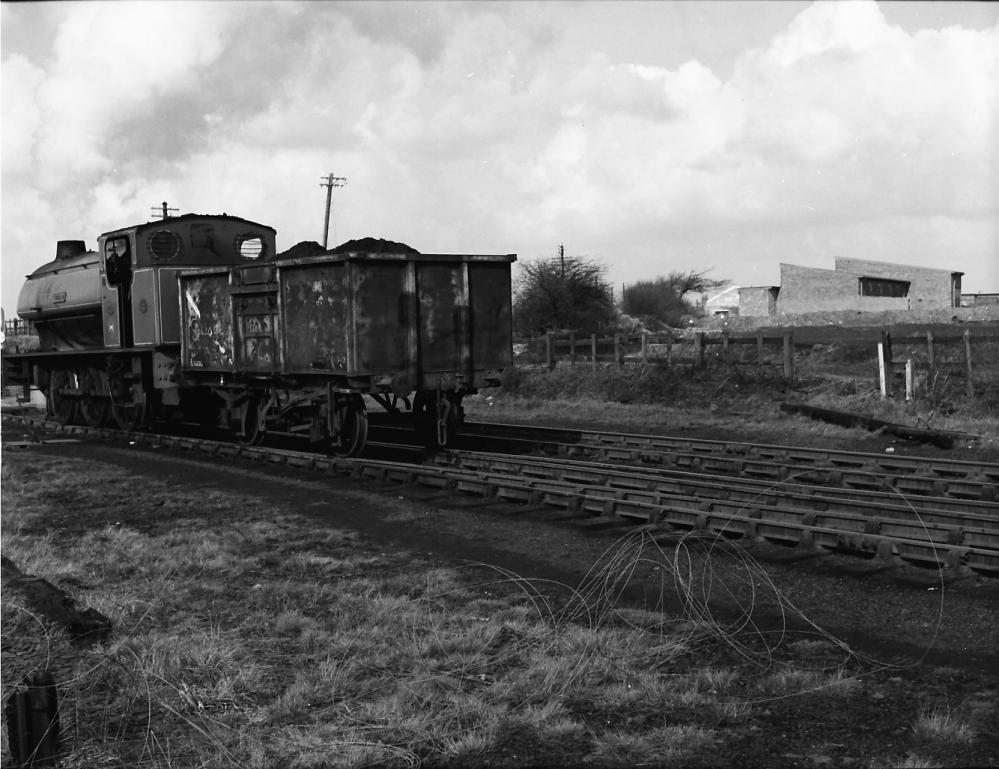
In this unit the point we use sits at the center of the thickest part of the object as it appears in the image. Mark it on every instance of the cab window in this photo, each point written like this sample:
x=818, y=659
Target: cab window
x=117, y=260
x=165, y=245
x=250, y=246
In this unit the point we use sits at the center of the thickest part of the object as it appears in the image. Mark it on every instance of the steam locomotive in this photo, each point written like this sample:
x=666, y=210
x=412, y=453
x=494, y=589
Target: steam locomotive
x=197, y=318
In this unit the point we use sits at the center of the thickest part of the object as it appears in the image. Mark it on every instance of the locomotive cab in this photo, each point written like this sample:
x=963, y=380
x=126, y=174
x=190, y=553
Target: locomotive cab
x=139, y=267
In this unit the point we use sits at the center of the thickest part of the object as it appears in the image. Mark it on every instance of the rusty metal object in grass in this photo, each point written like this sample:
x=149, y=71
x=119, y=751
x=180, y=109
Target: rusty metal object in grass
x=32, y=714
x=944, y=439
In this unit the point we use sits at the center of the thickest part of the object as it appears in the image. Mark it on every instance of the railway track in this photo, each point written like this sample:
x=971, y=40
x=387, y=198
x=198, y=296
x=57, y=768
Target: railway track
x=955, y=533
x=922, y=531
x=959, y=479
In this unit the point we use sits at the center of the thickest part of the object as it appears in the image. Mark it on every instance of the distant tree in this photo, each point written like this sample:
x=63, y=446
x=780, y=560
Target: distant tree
x=562, y=293
x=664, y=301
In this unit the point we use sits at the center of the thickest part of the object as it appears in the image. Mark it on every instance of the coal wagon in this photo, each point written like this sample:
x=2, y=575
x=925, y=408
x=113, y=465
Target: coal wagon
x=296, y=344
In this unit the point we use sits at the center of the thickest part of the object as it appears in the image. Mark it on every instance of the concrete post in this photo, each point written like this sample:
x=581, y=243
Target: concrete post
x=967, y=363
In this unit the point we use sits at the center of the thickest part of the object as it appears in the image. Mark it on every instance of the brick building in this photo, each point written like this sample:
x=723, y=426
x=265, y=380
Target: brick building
x=724, y=303
x=980, y=300
x=758, y=301
x=861, y=285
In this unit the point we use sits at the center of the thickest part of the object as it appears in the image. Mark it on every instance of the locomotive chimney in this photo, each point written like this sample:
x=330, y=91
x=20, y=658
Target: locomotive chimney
x=67, y=249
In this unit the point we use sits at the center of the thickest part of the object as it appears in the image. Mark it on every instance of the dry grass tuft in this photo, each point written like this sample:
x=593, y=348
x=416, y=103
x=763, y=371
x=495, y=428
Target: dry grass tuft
x=940, y=725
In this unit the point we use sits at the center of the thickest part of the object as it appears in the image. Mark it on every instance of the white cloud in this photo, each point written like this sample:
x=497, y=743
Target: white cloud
x=474, y=127
x=828, y=26
x=21, y=81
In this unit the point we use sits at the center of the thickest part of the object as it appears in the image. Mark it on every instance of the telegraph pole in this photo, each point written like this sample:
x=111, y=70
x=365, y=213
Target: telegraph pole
x=162, y=210
x=329, y=182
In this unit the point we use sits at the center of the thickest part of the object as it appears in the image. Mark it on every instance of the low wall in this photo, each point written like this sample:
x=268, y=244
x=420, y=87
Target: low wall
x=854, y=318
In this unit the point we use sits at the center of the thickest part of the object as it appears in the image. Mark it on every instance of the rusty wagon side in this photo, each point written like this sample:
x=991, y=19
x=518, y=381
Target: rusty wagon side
x=330, y=328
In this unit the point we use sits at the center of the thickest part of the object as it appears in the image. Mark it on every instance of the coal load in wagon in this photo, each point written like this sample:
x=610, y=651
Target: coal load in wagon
x=368, y=245
x=302, y=250
x=374, y=246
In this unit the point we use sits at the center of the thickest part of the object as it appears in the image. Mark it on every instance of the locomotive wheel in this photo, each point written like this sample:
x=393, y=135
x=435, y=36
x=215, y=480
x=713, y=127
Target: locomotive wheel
x=352, y=421
x=94, y=407
x=129, y=416
x=63, y=407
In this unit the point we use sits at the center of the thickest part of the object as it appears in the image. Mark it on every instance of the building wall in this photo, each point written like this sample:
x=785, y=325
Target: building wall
x=929, y=289
x=757, y=301
x=725, y=302
x=980, y=300
x=809, y=289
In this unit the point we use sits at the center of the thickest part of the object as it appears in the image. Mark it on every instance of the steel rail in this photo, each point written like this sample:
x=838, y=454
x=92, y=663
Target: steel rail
x=911, y=475
x=930, y=545
x=912, y=482
x=935, y=467
x=863, y=511
x=724, y=487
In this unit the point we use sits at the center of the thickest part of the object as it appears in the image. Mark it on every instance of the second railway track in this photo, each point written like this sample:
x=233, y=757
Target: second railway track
x=972, y=480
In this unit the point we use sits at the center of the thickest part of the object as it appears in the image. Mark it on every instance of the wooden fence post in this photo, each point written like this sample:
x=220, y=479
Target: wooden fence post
x=885, y=366
x=572, y=349
x=725, y=344
x=967, y=362
x=593, y=347
x=699, y=349
x=549, y=357
x=759, y=349
x=883, y=382
x=645, y=348
x=618, y=350
x=788, y=355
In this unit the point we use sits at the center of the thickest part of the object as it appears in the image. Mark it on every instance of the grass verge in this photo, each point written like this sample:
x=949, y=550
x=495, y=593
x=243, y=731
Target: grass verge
x=726, y=399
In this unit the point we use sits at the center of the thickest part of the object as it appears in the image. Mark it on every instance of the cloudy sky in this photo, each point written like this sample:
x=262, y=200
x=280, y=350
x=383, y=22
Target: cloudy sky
x=653, y=137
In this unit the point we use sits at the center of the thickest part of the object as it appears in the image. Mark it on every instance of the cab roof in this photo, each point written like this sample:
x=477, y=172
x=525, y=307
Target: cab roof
x=186, y=218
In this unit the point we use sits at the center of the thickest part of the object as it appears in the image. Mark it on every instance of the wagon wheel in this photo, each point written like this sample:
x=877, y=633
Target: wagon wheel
x=350, y=427
x=94, y=407
x=61, y=405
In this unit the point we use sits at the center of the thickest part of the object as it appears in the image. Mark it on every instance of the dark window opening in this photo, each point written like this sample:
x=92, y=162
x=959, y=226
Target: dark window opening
x=165, y=245
x=883, y=287
x=118, y=261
